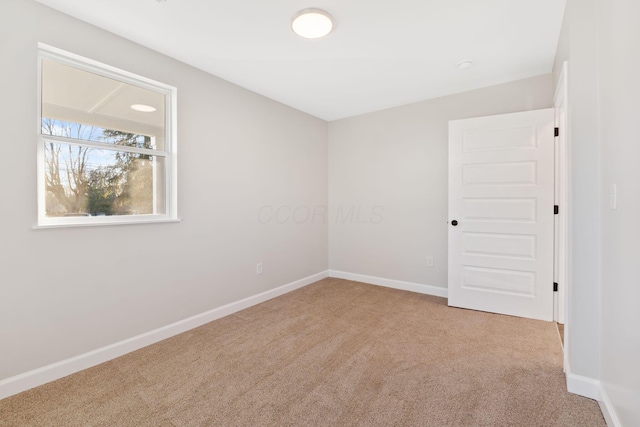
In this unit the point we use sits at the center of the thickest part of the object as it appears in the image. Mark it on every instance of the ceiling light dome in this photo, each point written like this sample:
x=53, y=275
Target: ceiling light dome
x=465, y=64
x=143, y=108
x=312, y=23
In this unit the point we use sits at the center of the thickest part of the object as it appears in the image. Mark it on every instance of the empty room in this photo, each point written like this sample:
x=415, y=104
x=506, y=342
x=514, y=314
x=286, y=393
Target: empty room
x=249, y=213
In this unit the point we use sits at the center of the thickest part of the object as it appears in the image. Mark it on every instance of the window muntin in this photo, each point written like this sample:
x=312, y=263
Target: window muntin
x=79, y=131
x=100, y=161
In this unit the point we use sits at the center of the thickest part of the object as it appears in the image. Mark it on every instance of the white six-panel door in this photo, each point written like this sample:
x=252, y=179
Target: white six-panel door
x=501, y=194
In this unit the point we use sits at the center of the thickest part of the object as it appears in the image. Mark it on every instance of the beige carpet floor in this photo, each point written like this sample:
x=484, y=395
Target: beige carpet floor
x=335, y=353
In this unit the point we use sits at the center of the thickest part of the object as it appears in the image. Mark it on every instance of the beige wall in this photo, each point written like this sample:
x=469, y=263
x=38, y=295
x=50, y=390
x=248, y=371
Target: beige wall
x=391, y=167
x=64, y=292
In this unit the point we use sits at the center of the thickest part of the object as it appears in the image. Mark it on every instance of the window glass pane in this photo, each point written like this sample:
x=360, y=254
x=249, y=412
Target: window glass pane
x=84, y=105
x=85, y=181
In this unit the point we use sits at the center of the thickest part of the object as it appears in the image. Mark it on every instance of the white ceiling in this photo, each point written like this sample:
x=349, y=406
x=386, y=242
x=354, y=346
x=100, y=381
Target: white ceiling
x=381, y=54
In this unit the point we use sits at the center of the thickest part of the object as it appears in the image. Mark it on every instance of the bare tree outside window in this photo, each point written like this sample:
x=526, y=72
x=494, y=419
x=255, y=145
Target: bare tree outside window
x=86, y=180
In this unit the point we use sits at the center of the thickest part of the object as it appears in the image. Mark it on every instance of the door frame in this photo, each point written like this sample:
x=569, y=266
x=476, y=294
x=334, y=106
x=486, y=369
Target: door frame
x=562, y=231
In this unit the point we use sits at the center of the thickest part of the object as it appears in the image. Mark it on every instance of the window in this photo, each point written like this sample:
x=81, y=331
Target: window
x=106, y=144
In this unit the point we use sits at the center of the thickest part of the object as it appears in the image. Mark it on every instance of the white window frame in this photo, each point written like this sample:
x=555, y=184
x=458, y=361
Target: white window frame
x=169, y=153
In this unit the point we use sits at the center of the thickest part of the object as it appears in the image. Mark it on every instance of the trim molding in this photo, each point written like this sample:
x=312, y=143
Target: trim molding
x=583, y=386
x=390, y=283
x=580, y=385
x=27, y=380
x=593, y=389
x=607, y=408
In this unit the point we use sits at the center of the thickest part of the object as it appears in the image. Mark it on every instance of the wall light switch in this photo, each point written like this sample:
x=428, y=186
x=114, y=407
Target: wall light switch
x=259, y=268
x=429, y=261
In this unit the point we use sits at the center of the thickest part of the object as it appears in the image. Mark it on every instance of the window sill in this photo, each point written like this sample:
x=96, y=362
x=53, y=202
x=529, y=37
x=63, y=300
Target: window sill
x=106, y=223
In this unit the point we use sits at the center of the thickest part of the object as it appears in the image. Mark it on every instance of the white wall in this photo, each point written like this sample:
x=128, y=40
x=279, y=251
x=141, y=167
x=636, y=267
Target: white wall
x=584, y=313
x=600, y=39
x=578, y=46
x=391, y=166
x=619, y=118
x=64, y=292
x=562, y=50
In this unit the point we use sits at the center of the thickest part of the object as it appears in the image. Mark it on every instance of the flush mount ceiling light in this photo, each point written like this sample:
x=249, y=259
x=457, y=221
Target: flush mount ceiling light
x=466, y=64
x=312, y=23
x=144, y=108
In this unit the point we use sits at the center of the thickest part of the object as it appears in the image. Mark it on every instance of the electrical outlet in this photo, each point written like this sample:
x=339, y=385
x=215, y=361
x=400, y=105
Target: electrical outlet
x=429, y=261
x=259, y=268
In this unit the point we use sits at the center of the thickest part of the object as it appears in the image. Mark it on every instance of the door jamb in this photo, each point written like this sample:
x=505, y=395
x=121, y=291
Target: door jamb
x=562, y=231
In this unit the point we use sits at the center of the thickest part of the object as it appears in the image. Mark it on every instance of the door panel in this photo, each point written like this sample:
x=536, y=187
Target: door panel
x=501, y=191
x=512, y=209
x=500, y=245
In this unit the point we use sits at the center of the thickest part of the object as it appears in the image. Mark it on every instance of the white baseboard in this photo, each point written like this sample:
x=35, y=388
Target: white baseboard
x=583, y=386
x=36, y=377
x=580, y=385
x=389, y=283
x=593, y=389
x=607, y=408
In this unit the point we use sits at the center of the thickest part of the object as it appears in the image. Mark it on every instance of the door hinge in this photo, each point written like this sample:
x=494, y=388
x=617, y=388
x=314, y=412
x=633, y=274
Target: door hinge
x=556, y=209
x=555, y=287
x=556, y=132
